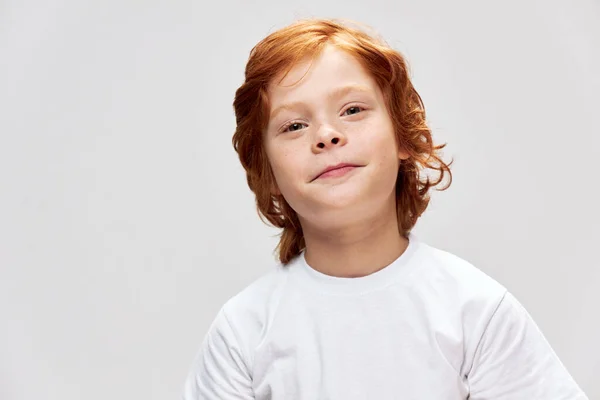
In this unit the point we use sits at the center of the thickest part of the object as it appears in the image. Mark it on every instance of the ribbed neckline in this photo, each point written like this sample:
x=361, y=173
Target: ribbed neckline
x=341, y=285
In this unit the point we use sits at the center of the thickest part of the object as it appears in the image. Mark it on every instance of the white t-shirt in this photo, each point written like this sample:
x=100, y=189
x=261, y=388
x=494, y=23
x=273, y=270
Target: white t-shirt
x=428, y=326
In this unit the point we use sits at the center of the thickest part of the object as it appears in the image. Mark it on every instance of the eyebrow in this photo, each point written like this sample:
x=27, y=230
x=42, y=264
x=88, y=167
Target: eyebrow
x=336, y=93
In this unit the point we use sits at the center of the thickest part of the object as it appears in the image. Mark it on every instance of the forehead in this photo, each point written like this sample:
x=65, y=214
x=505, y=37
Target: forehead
x=332, y=68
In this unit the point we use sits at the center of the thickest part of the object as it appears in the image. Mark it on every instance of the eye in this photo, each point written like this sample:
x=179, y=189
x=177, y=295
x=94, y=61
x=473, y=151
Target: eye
x=353, y=110
x=292, y=126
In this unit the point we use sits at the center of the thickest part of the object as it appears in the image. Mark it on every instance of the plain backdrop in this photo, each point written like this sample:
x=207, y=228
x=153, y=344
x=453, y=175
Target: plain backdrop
x=126, y=220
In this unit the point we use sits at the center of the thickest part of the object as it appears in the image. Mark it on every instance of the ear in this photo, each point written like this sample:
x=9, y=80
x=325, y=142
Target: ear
x=275, y=189
x=403, y=155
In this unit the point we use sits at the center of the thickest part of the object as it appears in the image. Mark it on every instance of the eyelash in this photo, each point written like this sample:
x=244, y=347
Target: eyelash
x=289, y=124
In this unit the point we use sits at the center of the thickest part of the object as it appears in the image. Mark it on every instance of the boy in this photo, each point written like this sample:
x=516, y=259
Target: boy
x=333, y=138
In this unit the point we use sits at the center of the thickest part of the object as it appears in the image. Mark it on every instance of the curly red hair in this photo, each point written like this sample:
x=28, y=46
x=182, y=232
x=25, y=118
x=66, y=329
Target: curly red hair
x=278, y=53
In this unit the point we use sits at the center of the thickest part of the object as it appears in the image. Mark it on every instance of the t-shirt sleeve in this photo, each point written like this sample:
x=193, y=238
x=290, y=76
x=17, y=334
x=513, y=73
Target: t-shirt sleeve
x=219, y=371
x=515, y=361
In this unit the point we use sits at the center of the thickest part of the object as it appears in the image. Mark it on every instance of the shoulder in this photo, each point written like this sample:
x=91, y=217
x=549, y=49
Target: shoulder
x=449, y=272
x=225, y=361
x=462, y=297
x=259, y=296
x=248, y=314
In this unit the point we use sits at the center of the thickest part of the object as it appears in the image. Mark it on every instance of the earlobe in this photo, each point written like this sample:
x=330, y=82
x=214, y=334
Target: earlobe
x=402, y=155
x=275, y=190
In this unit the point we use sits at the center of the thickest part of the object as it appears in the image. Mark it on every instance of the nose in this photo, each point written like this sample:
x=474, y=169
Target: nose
x=328, y=137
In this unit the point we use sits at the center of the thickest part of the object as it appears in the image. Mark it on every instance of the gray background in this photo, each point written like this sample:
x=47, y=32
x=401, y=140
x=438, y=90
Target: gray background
x=126, y=222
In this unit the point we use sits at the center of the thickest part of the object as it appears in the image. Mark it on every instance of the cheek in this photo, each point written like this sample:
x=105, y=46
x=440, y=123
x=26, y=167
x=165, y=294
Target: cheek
x=381, y=143
x=287, y=168
x=383, y=154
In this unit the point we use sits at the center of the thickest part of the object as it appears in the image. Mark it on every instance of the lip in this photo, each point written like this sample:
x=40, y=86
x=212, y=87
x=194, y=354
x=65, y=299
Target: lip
x=334, y=167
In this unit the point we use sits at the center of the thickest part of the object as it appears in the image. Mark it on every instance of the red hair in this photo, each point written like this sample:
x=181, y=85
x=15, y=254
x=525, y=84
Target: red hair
x=278, y=53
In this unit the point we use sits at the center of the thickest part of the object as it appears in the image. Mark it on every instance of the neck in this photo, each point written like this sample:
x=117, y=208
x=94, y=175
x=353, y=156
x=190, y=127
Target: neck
x=358, y=250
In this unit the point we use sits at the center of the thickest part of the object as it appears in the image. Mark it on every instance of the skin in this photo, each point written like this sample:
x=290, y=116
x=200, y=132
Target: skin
x=349, y=222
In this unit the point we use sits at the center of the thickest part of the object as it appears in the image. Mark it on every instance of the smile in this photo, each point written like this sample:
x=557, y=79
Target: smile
x=338, y=172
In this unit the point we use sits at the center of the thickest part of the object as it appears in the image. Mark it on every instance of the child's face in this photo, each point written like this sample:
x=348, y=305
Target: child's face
x=358, y=119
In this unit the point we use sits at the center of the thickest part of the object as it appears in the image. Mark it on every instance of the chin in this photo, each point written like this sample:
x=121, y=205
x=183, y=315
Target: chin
x=334, y=219
x=341, y=195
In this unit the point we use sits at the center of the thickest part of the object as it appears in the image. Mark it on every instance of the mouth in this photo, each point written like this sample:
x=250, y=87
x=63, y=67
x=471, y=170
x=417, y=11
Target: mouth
x=336, y=171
